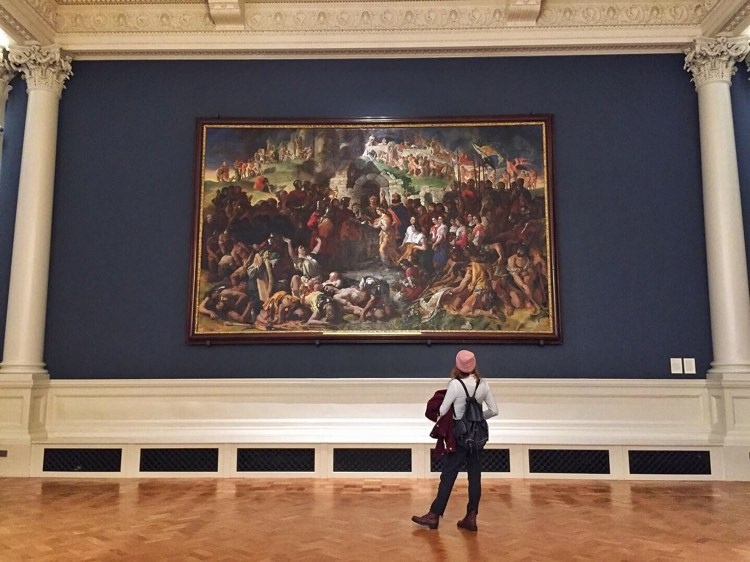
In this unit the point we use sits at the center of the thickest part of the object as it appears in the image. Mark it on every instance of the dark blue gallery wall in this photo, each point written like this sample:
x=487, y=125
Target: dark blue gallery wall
x=628, y=202
x=740, y=92
x=12, y=145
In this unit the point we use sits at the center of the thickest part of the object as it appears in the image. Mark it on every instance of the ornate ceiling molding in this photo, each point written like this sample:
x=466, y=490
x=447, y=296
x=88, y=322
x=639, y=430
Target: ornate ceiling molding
x=739, y=21
x=367, y=28
x=23, y=27
x=307, y=18
x=338, y=53
x=227, y=14
x=13, y=27
x=523, y=12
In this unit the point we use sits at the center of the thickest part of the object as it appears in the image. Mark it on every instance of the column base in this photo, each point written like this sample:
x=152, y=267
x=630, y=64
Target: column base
x=735, y=372
x=729, y=389
x=23, y=409
x=737, y=463
x=32, y=371
x=15, y=460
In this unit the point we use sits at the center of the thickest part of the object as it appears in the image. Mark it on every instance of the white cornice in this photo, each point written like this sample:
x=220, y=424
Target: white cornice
x=725, y=17
x=523, y=12
x=227, y=14
x=737, y=23
x=357, y=45
x=22, y=24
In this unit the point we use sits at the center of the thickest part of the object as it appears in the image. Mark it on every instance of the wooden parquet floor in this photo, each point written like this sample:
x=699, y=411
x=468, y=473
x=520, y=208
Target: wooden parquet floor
x=369, y=520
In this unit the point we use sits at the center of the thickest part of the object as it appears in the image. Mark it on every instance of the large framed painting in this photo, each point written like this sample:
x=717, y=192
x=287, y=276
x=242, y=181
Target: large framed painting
x=374, y=230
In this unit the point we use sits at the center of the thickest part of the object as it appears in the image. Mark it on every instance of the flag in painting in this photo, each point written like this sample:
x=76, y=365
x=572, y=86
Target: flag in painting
x=515, y=165
x=490, y=156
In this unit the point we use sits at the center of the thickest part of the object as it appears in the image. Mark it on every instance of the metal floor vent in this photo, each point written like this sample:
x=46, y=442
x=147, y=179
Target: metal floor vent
x=669, y=462
x=493, y=460
x=372, y=460
x=569, y=461
x=82, y=460
x=275, y=460
x=179, y=460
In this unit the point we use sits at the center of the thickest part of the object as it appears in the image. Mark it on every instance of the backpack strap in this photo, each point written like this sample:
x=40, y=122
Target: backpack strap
x=466, y=391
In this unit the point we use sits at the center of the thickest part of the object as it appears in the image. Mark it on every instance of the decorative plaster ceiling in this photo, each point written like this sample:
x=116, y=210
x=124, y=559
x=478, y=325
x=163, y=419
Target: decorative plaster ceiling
x=157, y=29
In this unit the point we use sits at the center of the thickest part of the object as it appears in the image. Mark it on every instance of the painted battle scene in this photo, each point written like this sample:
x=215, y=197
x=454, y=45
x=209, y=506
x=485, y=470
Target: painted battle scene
x=370, y=231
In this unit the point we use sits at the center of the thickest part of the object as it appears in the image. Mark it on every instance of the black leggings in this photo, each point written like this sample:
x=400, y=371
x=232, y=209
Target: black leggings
x=451, y=466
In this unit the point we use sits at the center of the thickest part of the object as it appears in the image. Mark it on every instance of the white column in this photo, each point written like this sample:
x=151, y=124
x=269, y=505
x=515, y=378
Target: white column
x=713, y=63
x=45, y=70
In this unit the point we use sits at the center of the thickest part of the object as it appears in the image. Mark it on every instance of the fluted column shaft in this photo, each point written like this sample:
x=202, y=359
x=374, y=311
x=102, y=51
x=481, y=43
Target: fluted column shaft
x=45, y=70
x=713, y=63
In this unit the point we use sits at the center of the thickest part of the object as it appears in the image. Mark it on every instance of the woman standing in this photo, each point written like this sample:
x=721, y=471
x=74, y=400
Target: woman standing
x=439, y=239
x=464, y=372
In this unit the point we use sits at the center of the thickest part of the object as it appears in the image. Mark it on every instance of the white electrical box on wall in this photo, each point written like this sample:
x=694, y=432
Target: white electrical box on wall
x=689, y=363
x=675, y=364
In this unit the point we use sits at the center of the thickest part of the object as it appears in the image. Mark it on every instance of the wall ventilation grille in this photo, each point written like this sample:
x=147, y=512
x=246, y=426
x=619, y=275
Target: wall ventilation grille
x=493, y=460
x=568, y=461
x=82, y=460
x=179, y=460
x=372, y=460
x=669, y=462
x=275, y=460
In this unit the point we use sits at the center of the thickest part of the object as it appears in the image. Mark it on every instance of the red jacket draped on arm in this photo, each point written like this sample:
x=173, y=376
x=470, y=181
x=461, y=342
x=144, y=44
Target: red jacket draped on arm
x=443, y=428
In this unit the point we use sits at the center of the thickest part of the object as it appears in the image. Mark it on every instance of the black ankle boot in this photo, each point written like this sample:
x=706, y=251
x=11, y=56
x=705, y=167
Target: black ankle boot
x=431, y=520
x=469, y=522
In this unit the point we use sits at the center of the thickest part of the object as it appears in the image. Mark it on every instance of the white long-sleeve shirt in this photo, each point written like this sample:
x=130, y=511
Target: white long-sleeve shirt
x=456, y=396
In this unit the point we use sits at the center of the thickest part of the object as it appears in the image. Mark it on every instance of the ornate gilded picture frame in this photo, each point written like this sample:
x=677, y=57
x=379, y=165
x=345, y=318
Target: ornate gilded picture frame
x=374, y=230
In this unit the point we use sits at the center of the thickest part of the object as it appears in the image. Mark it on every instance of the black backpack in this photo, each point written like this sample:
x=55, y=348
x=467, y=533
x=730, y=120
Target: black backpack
x=471, y=431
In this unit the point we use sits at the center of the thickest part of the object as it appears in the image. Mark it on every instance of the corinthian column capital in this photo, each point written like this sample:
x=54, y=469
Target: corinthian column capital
x=715, y=59
x=6, y=74
x=43, y=68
